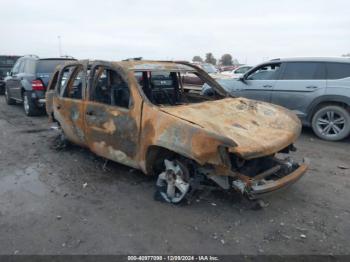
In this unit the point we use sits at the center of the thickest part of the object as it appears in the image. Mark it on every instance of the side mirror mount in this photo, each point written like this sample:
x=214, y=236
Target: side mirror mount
x=242, y=79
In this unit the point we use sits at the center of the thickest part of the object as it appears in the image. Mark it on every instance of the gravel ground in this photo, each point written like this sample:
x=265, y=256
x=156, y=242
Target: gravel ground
x=70, y=201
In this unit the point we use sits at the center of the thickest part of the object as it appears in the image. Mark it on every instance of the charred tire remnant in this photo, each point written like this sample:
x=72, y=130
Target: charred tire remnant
x=173, y=183
x=331, y=123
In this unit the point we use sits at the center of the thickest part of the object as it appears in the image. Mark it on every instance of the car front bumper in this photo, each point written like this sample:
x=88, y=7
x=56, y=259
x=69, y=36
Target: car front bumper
x=258, y=186
x=257, y=190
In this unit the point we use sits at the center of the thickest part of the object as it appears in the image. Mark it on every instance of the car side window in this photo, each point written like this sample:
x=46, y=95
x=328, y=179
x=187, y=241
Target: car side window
x=29, y=66
x=338, y=70
x=64, y=78
x=110, y=88
x=15, y=68
x=265, y=72
x=21, y=66
x=73, y=84
x=304, y=71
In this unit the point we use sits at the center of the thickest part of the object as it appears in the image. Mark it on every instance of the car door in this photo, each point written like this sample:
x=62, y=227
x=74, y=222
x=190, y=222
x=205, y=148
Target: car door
x=68, y=103
x=300, y=83
x=13, y=83
x=258, y=83
x=112, y=115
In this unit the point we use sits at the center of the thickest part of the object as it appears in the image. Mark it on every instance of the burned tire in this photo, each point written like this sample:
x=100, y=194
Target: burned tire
x=8, y=99
x=331, y=123
x=173, y=183
x=30, y=109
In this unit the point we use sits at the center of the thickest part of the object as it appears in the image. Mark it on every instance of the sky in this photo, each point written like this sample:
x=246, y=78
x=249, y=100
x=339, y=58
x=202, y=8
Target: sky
x=251, y=31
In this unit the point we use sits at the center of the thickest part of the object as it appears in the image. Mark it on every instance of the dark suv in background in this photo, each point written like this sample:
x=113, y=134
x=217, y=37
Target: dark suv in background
x=316, y=89
x=6, y=63
x=28, y=80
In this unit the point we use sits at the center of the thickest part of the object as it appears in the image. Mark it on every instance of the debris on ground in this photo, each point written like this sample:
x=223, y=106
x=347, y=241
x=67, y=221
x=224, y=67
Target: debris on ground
x=343, y=167
x=85, y=185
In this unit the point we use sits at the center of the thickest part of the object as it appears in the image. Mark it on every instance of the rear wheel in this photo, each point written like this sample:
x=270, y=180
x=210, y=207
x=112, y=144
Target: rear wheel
x=331, y=123
x=8, y=99
x=173, y=183
x=29, y=107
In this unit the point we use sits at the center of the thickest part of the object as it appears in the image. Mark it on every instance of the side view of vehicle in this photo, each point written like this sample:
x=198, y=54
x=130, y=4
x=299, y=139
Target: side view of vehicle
x=138, y=114
x=6, y=64
x=316, y=89
x=27, y=82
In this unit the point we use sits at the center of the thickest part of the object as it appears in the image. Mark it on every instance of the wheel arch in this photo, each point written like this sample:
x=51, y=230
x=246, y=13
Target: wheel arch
x=156, y=154
x=319, y=102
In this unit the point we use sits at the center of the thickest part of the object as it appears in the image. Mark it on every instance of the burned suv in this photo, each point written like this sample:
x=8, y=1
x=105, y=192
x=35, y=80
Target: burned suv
x=136, y=113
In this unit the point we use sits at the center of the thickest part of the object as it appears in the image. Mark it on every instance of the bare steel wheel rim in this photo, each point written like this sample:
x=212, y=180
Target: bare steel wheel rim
x=331, y=123
x=26, y=104
x=172, y=182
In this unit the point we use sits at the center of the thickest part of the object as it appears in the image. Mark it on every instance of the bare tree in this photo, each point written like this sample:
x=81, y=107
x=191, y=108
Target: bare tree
x=197, y=58
x=226, y=60
x=209, y=58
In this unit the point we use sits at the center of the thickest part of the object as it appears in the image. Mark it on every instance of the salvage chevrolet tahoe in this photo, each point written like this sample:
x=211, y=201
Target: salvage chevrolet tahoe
x=137, y=113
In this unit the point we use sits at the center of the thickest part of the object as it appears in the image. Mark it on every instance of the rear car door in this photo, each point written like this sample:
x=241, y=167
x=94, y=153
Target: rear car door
x=258, y=83
x=68, y=104
x=338, y=78
x=300, y=83
x=13, y=83
x=112, y=115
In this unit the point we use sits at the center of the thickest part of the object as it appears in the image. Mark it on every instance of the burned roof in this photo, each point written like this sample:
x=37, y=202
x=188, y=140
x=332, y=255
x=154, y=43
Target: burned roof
x=144, y=65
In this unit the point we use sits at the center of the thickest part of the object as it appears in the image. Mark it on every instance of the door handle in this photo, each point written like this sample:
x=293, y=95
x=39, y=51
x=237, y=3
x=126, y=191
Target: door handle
x=267, y=86
x=311, y=87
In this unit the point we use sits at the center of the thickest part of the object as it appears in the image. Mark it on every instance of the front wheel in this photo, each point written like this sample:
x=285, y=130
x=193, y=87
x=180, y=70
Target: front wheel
x=173, y=183
x=331, y=123
x=8, y=99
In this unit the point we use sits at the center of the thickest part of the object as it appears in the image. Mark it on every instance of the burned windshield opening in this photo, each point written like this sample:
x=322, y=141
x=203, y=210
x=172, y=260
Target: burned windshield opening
x=167, y=88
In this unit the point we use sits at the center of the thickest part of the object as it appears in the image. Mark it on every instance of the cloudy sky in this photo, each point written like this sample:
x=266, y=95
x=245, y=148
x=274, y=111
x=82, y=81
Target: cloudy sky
x=251, y=31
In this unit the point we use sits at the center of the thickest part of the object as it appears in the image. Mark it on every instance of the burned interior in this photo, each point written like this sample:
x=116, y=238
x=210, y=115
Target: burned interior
x=167, y=88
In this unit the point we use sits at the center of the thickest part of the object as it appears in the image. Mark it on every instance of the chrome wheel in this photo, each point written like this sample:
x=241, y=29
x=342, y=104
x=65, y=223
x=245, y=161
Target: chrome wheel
x=331, y=123
x=173, y=183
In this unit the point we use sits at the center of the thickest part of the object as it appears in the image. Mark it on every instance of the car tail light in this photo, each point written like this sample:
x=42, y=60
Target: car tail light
x=37, y=85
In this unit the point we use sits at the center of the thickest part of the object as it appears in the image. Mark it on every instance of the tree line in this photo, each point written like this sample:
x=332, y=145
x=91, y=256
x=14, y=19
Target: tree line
x=225, y=60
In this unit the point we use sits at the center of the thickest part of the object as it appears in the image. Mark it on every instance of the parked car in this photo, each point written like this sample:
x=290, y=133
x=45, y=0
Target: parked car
x=316, y=89
x=238, y=72
x=193, y=82
x=6, y=63
x=28, y=81
x=137, y=113
x=227, y=68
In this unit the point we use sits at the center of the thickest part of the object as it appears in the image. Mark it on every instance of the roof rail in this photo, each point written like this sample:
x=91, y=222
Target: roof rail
x=133, y=59
x=30, y=55
x=276, y=59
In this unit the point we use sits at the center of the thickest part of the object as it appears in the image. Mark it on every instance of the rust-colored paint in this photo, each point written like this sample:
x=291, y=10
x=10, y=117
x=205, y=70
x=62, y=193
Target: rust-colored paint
x=246, y=128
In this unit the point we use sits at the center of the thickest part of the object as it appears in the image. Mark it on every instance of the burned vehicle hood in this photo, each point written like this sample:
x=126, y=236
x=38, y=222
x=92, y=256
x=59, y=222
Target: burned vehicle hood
x=257, y=128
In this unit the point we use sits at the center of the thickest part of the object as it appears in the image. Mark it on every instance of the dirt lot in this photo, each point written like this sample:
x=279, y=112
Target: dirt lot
x=46, y=209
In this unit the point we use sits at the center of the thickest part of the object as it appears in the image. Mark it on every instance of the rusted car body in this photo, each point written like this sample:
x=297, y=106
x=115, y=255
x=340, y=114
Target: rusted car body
x=137, y=113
